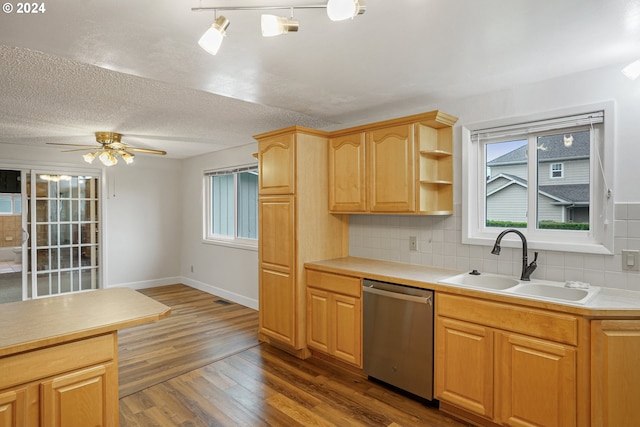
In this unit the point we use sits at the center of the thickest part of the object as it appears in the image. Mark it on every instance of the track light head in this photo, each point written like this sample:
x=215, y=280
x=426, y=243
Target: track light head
x=273, y=25
x=340, y=10
x=211, y=40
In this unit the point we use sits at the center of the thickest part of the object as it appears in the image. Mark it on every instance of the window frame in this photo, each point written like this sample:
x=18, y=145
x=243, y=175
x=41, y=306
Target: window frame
x=561, y=170
x=208, y=236
x=16, y=204
x=600, y=237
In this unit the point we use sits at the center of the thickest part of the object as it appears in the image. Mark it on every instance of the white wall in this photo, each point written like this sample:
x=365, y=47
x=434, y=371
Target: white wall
x=143, y=223
x=386, y=238
x=225, y=271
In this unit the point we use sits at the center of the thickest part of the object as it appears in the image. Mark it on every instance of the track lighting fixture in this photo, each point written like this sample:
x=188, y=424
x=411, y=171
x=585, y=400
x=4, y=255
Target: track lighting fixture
x=272, y=25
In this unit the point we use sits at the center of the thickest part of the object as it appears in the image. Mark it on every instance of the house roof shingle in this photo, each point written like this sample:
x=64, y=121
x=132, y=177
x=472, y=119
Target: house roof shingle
x=550, y=148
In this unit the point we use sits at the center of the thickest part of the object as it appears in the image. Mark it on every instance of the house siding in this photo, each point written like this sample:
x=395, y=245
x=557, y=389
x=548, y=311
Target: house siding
x=509, y=204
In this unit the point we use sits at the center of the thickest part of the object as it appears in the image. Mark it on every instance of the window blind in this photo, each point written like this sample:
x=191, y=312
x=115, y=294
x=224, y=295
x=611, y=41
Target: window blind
x=238, y=169
x=594, y=117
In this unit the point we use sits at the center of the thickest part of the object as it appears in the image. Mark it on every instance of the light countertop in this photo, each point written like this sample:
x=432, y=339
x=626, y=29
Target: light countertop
x=609, y=302
x=27, y=325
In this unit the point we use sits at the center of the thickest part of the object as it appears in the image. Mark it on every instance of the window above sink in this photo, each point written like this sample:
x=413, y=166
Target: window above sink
x=548, y=175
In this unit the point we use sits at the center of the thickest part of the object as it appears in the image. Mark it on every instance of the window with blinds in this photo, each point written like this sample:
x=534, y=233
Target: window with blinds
x=545, y=177
x=231, y=205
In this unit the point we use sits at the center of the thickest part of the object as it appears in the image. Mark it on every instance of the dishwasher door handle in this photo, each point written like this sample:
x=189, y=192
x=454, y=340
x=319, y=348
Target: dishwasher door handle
x=397, y=295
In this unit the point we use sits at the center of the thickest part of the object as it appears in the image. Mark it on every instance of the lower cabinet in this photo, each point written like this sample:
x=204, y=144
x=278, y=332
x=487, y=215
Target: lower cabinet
x=615, y=372
x=69, y=385
x=334, y=315
x=535, y=382
x=505, y=377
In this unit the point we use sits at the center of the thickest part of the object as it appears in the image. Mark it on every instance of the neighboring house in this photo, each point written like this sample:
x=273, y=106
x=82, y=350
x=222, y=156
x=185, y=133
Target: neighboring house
x=563, y=181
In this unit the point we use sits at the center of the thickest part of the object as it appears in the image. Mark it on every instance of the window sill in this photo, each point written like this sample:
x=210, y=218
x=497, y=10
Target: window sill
x=232, y=244
x=585, y=248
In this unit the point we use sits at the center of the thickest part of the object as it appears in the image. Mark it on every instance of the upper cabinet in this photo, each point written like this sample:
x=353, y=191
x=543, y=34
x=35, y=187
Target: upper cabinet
x=402, y=166
x=276, y=162
x=347, y=186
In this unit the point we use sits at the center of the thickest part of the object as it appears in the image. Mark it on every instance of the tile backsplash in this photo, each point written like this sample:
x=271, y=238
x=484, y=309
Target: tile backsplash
x=386, y=237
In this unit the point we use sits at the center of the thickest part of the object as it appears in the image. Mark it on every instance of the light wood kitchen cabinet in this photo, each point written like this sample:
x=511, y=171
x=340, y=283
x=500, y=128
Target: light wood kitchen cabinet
x=536, y=382
x=347, y=185
x=73, y=384
x=15, y=408
x=391, y=169
x=277, y=164
x=402, y=166
x=295, y=226
x=59, y=367
x=615, y=372
x=511, y=365
x=277, y=275
x=465, y=365
x=334, y=315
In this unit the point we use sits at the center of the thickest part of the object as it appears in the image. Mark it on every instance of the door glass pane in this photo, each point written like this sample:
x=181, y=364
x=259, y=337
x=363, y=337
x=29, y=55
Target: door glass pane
x=563, y=181
x=65, y=233
x=506, y=184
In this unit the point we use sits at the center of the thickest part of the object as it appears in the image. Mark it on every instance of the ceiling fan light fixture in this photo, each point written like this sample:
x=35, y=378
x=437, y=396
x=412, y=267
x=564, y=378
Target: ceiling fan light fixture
x=107, y=158
x=211, y=40
x=273, y=25
x=127, y=157
x=89, y=157
x=340, y=10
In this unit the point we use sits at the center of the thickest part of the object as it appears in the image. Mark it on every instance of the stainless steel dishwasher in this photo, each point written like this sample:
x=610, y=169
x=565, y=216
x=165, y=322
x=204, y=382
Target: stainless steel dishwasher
x=398, y=336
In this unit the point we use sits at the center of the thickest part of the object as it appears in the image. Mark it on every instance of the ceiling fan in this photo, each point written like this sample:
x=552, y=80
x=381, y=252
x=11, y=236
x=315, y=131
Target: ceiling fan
x=111, y=149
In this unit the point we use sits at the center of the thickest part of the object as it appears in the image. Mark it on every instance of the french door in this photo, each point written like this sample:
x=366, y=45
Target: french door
x=62, y=220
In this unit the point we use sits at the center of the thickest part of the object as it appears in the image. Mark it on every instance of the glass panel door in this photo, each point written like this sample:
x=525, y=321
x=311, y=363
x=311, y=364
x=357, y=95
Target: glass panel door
x=64, y=233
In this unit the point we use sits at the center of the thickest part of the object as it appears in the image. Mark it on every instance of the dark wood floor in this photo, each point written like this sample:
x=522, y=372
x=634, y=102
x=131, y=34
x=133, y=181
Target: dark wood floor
x=254, y=386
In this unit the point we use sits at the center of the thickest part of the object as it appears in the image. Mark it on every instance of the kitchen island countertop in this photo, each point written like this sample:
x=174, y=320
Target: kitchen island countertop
x=43, y=322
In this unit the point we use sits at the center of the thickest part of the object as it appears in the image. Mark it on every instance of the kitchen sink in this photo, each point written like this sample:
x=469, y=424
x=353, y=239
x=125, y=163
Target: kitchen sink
x=484, y=281
x=555, y=292
x=540, y=290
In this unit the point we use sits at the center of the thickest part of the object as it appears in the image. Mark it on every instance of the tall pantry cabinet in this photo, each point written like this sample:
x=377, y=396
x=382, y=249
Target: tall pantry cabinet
x=295, y=226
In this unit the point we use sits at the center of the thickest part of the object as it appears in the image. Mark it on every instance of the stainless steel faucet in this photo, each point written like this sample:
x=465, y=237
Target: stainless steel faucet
x=527, y=269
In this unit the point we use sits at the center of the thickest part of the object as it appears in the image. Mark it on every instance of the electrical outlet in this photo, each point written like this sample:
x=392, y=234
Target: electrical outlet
x=192, y=268
x=631, y=260
x=413, y=243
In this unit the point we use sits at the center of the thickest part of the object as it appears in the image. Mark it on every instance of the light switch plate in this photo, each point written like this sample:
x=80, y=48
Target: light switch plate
x=413, y=243
x=631, y=260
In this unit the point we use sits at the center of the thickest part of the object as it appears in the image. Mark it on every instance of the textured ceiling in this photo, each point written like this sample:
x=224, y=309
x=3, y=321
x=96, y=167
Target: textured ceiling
x=136, y=68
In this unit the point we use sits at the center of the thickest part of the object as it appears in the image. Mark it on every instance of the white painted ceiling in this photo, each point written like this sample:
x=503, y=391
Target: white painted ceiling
x=135, y=66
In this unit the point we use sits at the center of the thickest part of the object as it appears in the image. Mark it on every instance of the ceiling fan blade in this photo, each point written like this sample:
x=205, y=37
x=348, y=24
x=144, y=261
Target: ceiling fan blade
x=79, y=149
x=146, y=150
x=72, y=145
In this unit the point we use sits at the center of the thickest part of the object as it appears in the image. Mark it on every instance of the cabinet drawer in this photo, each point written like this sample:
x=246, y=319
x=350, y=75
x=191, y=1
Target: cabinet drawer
x=544, y=324
x=38, y=364
x=337, y=283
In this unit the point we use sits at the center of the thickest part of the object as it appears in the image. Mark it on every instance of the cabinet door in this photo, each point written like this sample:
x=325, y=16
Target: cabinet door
x=13, y=408
x=347, y=187
x=88, y=397
x=615, y=372
x=536, y=382
x=391, y=169
x=346, y=324
x=464, y=365
x=318, y=319
x=277, y=165
x=276, y=247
